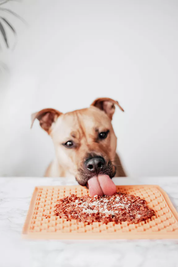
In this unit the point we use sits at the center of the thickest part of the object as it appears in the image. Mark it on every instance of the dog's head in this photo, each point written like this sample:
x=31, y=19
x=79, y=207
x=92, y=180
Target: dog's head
x=84, y=140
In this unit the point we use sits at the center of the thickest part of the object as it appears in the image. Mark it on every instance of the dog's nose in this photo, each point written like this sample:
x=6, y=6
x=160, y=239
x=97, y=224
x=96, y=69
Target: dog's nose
x=95, y=164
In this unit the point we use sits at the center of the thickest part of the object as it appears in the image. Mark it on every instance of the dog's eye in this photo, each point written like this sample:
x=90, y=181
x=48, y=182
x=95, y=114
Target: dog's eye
x=69, y=144
x=103, y=135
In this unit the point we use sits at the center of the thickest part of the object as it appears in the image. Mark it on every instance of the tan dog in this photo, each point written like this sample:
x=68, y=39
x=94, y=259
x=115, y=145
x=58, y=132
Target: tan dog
x=84, y=142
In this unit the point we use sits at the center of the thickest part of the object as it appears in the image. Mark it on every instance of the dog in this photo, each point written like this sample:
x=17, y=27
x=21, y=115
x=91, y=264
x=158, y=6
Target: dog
x=85, y=145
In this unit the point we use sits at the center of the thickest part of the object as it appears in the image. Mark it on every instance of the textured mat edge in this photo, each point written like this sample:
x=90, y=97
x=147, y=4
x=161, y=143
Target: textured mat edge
x=30, y=210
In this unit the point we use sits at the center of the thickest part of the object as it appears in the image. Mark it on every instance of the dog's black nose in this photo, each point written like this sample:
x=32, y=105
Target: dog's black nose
x=95, y=164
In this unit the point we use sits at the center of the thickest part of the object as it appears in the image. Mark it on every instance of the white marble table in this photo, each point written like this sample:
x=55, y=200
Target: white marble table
x=15, y=196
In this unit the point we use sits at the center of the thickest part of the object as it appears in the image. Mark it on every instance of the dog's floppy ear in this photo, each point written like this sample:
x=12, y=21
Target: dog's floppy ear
x=46, y=118
x=107, y=105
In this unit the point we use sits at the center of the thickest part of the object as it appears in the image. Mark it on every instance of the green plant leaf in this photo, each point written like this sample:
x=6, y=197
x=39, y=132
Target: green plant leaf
x=10, y=26
x=3, y=32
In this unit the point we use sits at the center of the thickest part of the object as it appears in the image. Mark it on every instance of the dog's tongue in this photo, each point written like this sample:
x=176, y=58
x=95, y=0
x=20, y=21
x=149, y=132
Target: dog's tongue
x=101, y=185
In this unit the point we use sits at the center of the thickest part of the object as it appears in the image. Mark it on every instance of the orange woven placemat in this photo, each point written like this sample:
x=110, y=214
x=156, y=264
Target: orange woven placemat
x=41, y=223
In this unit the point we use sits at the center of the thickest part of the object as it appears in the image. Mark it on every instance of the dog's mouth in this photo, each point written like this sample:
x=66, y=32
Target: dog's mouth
x=99, y=183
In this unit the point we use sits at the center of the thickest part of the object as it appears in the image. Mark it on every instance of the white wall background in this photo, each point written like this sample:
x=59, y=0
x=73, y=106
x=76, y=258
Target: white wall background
x=75, y=51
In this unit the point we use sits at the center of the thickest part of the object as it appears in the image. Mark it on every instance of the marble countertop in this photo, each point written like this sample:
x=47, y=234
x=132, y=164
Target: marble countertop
x=15, y=196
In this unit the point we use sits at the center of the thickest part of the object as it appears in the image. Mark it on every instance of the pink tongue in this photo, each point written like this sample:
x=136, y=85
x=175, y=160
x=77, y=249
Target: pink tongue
x=101, y=184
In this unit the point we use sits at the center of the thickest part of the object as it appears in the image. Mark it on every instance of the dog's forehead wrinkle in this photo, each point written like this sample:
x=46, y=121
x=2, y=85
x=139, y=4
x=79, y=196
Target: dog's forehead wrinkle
x=84, y=121
x=94, y=121
x=65, y=128
x=80, y=123
x=75, y=134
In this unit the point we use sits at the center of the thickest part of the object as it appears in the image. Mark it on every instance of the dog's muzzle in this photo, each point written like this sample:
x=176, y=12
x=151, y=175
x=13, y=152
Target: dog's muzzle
x=92, y=166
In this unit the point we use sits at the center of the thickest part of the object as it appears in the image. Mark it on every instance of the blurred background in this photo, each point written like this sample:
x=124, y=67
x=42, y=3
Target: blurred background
x=66, y=54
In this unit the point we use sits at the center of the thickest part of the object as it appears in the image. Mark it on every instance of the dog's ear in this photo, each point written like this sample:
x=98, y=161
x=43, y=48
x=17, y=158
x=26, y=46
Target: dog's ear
x=46, y=118
x=107, y=105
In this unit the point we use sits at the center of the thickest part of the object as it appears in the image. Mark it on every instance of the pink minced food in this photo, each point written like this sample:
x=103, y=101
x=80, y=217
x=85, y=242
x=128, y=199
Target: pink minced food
x=117, y=208
x=101, y=185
